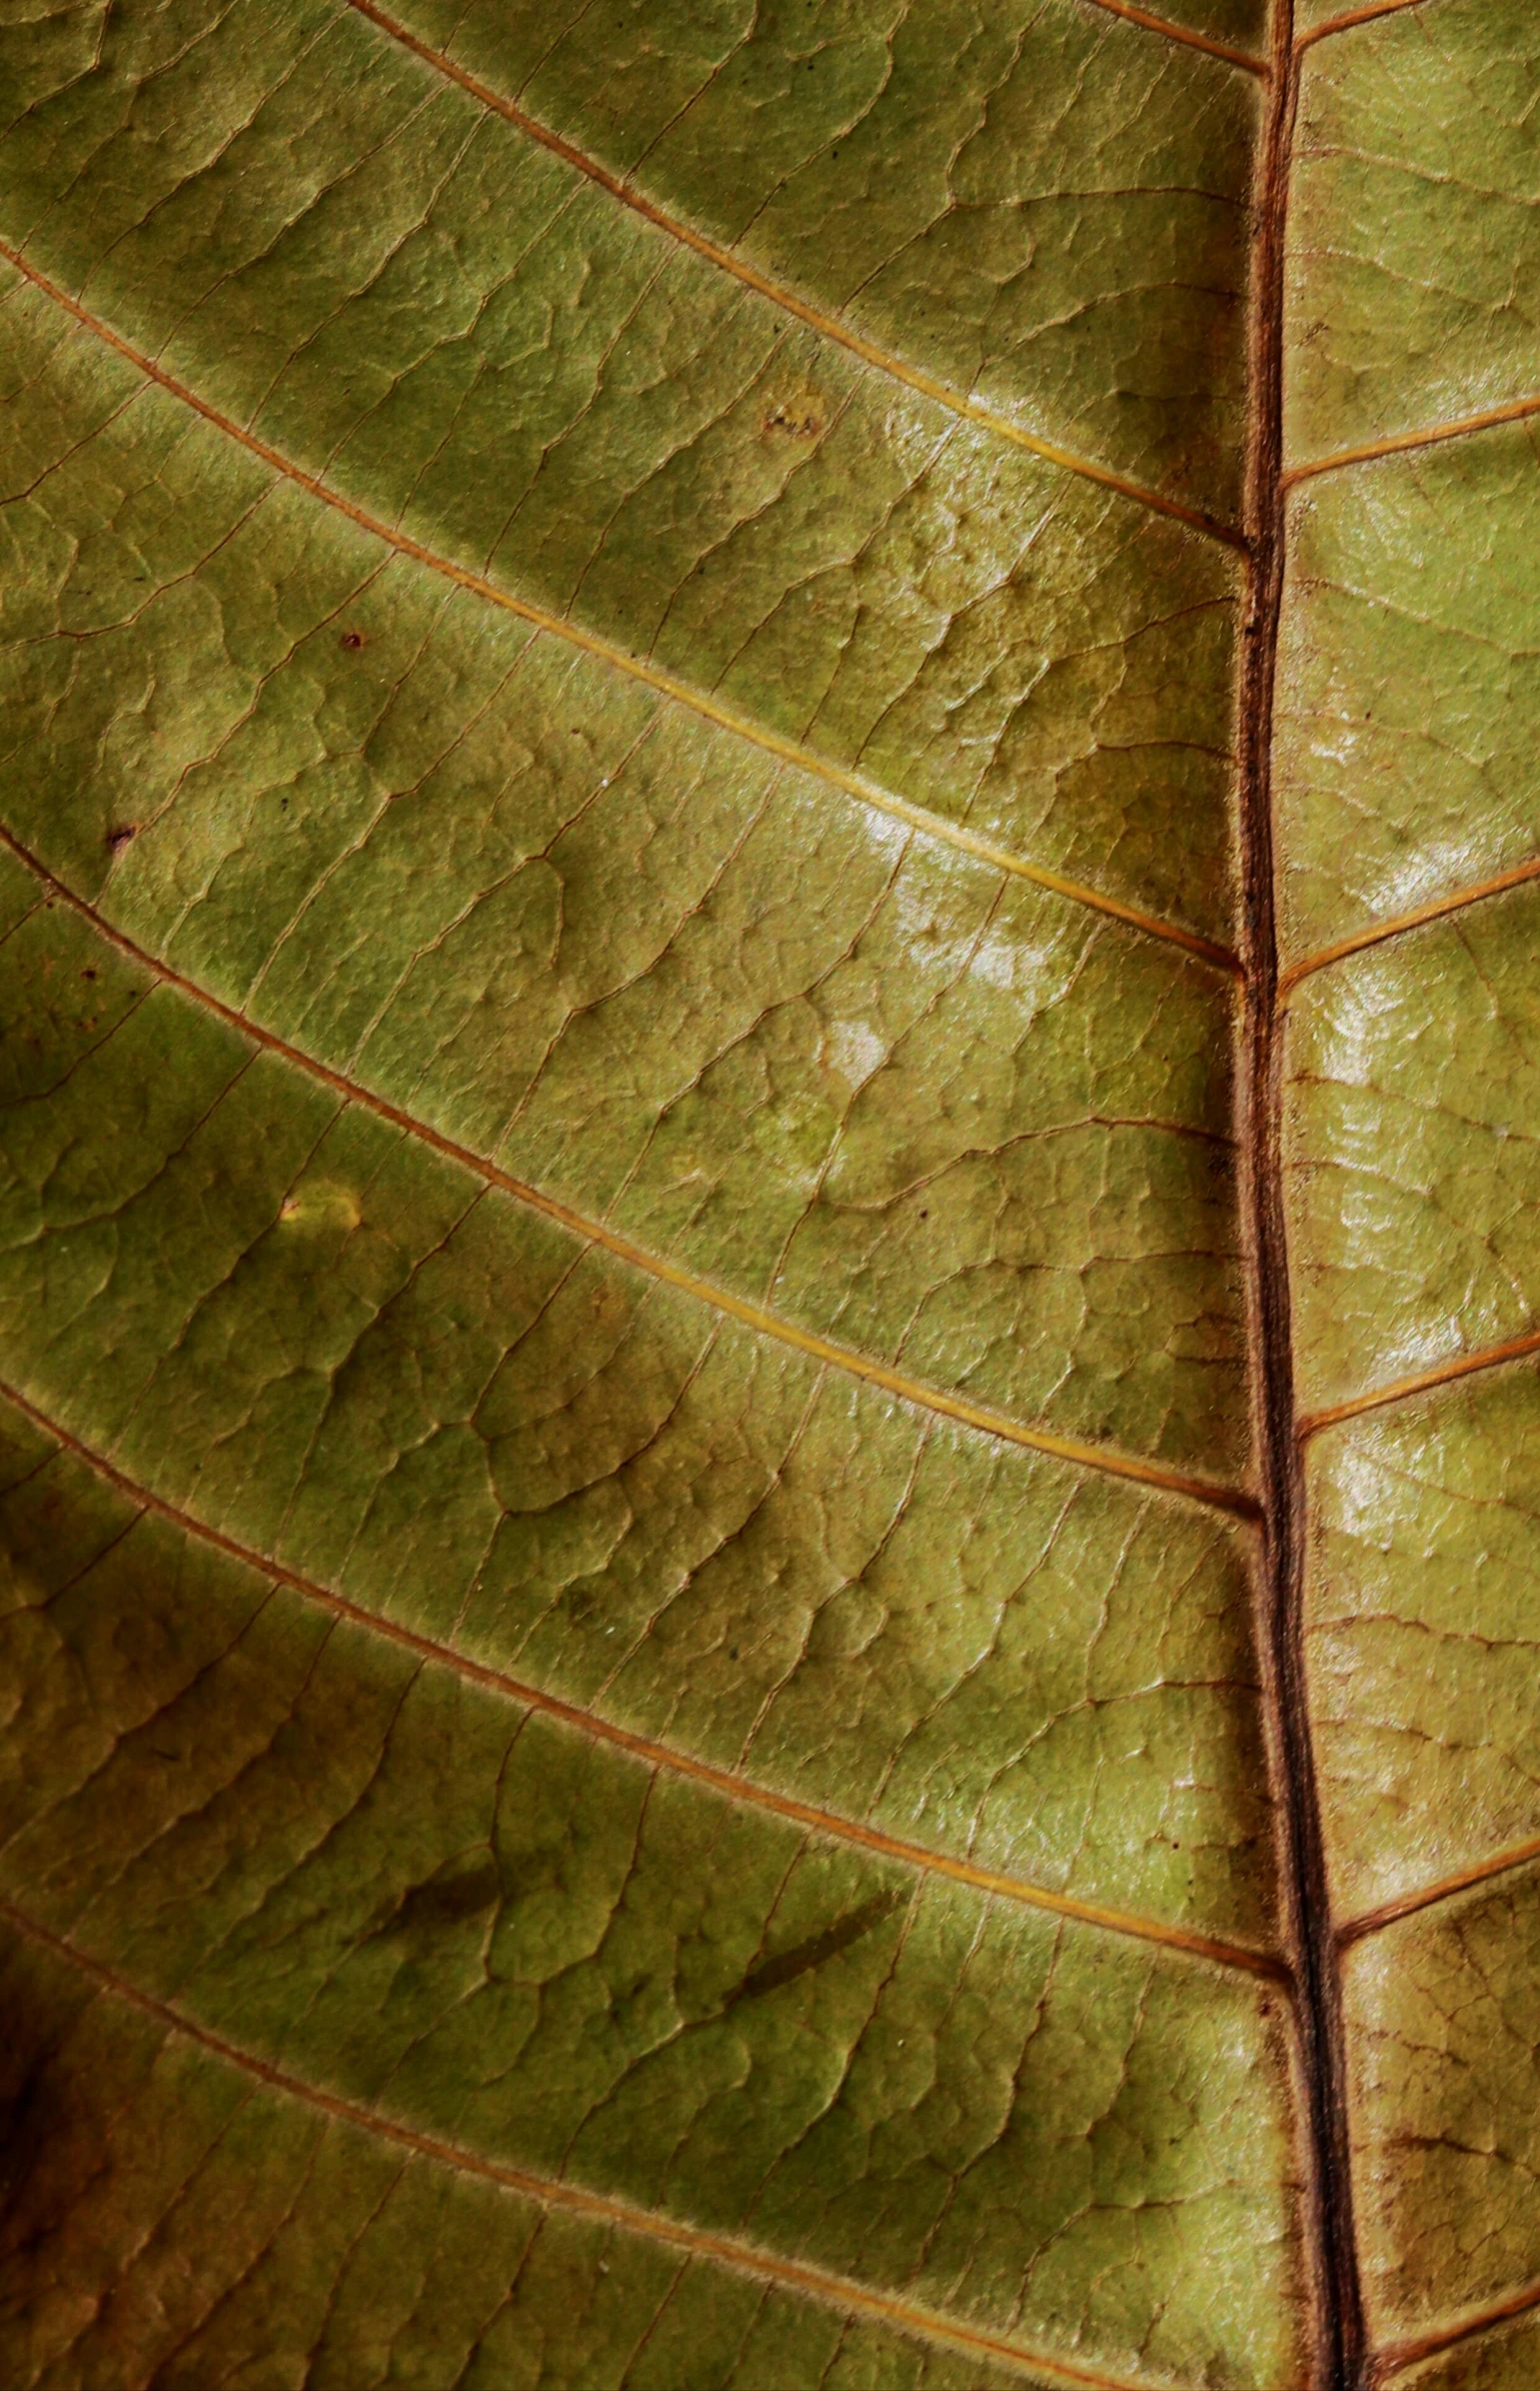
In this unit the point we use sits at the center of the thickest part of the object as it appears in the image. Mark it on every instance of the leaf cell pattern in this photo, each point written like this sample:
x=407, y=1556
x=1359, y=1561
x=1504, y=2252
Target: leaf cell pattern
x=768, y=1292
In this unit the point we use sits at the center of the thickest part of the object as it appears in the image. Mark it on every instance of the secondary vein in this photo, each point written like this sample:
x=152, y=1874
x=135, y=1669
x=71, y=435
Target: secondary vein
x=831, y=328
x=1436, y=910
x=855, y=1365
x=1395, y=444
x=1422, y=1381
x=785, y=750
x=598, y=2208
x=732, y=1784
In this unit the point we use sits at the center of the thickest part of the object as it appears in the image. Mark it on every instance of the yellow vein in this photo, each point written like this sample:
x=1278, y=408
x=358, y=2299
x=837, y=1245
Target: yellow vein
x=1400, y=2354
x=1399, y=442
x=1356, y=16
x=1435, y=911
x=785, y=750
x=1182, y=33
x=827, y=327
x=753, y=1316
x=730, y=1784
x=1443, y=1889
x=595, y=2207
x=1400, y=1389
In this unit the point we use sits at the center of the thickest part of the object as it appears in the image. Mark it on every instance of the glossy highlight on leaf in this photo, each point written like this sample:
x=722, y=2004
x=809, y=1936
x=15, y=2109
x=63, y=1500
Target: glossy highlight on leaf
x=769, y=1303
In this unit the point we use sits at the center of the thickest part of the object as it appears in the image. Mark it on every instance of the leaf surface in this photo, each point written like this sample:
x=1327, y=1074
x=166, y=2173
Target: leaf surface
x=767, y=1232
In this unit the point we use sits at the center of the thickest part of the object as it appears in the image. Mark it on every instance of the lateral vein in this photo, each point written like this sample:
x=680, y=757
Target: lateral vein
x=785, y=750
x=1183, y=33
x=1399, y=1390
x=1356, y=16
x=829, y=326
x=1400, y=2354
x=730, y=1783
x=1429, y=436
x=598, y=2208
x=1435, y=909
x=1444, y=1888
x=595, y=1232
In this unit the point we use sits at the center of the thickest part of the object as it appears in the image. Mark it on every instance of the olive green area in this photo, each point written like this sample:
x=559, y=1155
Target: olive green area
x=1414, y=235
x=644, y=86
x=1038, y=203
x=478, y=346
x=203, y=2227
x=1447, y=2136
x=1423, y=1609
x=1412, y=1153
x=509, y=1046
x=409, y=1891
x=1404, y=765
x=345, y=1351
x=839, y=1068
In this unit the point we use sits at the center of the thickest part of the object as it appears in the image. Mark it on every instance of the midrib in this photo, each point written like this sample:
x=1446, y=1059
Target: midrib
x=1339, y=2315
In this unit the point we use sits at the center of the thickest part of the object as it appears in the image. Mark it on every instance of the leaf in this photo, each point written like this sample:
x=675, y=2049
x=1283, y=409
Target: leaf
x=768, y=1254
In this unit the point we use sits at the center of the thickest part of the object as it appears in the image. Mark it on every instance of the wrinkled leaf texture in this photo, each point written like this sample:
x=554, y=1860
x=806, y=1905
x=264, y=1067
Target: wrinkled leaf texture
x=656, y=1735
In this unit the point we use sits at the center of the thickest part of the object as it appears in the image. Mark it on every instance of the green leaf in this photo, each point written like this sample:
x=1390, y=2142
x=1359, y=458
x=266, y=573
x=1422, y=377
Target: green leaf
x=768, y=1274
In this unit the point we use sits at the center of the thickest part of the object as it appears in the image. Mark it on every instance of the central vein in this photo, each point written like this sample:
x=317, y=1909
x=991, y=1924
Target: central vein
x=1341, y=2354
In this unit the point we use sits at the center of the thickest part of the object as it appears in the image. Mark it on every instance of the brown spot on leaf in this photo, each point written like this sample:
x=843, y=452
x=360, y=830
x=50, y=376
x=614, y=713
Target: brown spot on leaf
x=798, y=414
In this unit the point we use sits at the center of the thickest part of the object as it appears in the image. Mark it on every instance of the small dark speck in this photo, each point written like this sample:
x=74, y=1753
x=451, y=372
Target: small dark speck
x=925, y=1216
x=89, y=972
x=732, y=1652
x=353, y=638
x=120, y=838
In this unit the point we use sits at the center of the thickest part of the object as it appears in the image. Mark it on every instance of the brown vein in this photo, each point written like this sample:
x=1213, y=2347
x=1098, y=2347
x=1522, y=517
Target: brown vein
x=1434, y=910
x=730, y=1783
x=1400, y=2354
x=1356, y=16
x=827, y=327
x=1311, y=1942
x=765, y=1323
x=1400, y=1389
x=1515, y=412
x=1443, y=1889
x=787, y=751
x=595, y=2207
x=1182, y=33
